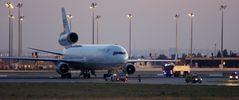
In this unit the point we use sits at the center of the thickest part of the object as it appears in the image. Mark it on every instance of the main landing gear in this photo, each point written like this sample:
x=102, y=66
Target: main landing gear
x=86, y=73
x=66, y=76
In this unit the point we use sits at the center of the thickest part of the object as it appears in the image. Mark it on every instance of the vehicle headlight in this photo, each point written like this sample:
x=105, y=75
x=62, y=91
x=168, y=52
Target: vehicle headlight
x=236, y=76
x=201, y=79
x=230, y=76
x=196, y=79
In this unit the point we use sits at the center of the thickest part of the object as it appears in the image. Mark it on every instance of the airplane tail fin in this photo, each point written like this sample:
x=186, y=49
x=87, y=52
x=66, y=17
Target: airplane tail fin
x=65, y=21
x=67, y=38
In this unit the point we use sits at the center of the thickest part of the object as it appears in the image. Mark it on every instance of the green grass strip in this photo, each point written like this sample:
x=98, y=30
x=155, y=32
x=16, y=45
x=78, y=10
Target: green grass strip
x=75, y=91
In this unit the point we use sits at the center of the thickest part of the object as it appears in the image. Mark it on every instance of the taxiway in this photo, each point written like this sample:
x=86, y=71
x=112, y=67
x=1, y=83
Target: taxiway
x=148, y=77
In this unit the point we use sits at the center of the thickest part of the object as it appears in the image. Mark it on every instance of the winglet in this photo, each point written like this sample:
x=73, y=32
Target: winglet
x=65, y=21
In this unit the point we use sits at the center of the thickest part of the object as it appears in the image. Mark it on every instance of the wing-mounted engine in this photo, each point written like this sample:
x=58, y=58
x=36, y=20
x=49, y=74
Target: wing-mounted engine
x=129, y=68
x=62, y=68
x=67, y=39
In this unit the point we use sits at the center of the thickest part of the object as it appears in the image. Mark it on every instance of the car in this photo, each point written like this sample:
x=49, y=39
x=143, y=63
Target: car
x=116, y=77
x=123, y=77
x=193, y=79
x=233, y=76
x=112, y=77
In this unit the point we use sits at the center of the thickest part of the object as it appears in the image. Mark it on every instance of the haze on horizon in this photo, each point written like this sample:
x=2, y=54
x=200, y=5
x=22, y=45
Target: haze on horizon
x=153, y=25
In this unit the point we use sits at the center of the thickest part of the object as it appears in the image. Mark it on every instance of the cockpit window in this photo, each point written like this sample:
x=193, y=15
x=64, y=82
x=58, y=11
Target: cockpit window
x=118, y=52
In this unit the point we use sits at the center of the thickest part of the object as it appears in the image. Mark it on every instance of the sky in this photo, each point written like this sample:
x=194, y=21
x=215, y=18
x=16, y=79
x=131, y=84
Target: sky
x=153, y=26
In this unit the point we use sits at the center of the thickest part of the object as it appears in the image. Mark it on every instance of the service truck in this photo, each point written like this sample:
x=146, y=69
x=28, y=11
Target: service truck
x=172, y=70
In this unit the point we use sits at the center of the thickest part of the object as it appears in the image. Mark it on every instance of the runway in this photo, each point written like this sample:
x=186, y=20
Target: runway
x=170, y=81
x=148, y=77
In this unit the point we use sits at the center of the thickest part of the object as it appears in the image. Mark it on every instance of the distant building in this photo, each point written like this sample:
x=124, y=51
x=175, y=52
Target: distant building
x=230, y=62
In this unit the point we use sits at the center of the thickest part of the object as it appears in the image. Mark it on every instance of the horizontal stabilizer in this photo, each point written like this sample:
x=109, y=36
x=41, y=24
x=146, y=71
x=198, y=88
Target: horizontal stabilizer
x=46, y=51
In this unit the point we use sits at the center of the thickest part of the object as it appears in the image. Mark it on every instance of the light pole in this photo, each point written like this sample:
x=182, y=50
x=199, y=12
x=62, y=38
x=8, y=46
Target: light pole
x=12, y=17
x=20, y=19
x=191, y=15
x=222, y=8
x=97, y=28
x=93, y=6
x=69, y=16
x=10, y=6
x=215, y=49
x=176, y=17
x=130, y=18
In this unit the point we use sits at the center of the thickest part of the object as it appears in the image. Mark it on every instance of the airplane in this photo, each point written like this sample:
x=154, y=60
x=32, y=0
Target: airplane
x=86, y=58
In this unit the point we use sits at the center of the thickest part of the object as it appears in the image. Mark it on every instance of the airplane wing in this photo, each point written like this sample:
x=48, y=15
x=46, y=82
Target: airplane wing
x=45, y=59
x=29, y=58
x=149, y=60
x=46, y=51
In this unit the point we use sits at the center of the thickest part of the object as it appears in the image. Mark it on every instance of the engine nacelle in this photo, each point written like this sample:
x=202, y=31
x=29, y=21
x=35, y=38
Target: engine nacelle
x=62, y=68
x=129, y=68
x=67, y=39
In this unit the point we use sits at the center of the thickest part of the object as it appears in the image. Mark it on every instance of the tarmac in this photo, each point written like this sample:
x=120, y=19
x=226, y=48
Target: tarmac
x=217, y=77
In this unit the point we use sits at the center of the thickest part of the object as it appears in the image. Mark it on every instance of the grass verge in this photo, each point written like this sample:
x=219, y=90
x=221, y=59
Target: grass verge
x=76, y=91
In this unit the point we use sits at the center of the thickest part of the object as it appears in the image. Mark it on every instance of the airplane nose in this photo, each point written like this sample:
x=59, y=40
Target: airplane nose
x=123, y=58
x=120, y=54
x=120, y=58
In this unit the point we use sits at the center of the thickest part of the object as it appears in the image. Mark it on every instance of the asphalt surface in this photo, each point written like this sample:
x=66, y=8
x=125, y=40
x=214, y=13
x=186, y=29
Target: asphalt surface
x=147, y=77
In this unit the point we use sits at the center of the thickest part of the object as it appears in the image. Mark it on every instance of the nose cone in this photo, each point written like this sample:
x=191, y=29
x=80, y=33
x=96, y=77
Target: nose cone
x=122, y=58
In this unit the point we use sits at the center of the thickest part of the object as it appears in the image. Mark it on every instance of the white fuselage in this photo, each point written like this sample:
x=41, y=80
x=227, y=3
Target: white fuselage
x=107, y=56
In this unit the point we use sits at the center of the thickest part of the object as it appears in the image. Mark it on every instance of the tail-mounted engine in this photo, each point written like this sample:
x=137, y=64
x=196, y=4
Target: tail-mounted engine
x=62, y=68
x=129, y=68
x=67, y=39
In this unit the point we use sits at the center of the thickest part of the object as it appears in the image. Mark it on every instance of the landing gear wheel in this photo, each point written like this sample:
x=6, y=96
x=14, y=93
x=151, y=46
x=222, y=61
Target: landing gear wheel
x=66, y=76
x=86, y=76
x=63, y=76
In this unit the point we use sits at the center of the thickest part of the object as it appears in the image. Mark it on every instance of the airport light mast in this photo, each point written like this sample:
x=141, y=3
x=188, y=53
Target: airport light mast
x=20, y=19
x=222, y=8
x=97, y=28
x=10, y=6
x=69, y=16
x=176, y=17
x=93, y=6
x=130, y=18
x=215, y=49
x=191, y=15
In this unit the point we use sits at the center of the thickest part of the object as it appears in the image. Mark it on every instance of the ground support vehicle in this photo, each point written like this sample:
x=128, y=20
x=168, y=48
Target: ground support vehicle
x=193, y=79
x=171, y=70
x=116, y=77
